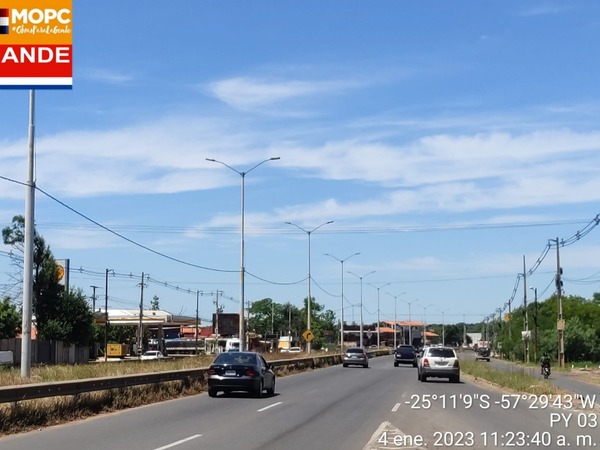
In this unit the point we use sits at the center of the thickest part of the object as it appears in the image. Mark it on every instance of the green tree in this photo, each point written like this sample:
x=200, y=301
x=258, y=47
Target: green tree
x=154, y=306
x=322, y=323
x=59, y=315
x=10, y=319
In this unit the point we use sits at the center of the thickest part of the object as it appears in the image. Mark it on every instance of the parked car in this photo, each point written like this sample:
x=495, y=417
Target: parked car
x=405, y=354
x=295, y=350
x=438, y=362
x=151, y=355
x=355, y=356
x=482, y=353
x=241, y=371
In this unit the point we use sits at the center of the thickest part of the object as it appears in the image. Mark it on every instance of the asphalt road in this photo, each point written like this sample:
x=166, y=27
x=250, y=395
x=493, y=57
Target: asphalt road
x=381, y=407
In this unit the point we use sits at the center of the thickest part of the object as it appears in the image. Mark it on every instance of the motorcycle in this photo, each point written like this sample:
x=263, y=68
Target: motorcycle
x=546, y=371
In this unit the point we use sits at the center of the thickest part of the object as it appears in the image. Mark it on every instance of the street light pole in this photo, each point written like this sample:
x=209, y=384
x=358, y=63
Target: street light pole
x=361, y=304
x=242, y=260
x=444, y=325
x=378, y=320
x=309, y=232
x=395, y=319
x=342, y=310
x=425, y=324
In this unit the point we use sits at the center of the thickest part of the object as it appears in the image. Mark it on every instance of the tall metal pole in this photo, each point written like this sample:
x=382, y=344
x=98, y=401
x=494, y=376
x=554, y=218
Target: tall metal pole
x=342, y=309
x=106, y=317
x=378, y=319
x=361, y=304
x=396, y=320
x=309, y=313
x=141, y=323
x=29, y=247
x=242, y=324
x=242, y=329
x=197, y=322
x=395, y=324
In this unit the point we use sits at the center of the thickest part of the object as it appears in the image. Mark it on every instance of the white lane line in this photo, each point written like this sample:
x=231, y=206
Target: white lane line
x=396, y=407
x=267, y=407
x=174, y=444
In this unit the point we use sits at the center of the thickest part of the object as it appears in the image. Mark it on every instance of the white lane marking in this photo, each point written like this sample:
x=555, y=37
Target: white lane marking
x=267, y=407
x=396, y=407
x=174, y=444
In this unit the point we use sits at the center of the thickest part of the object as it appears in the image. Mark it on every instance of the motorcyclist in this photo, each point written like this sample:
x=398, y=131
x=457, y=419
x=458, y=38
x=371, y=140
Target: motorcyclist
x=545, y=362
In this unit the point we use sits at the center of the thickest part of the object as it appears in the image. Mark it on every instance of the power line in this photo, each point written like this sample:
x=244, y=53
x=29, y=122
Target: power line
x=131, y=241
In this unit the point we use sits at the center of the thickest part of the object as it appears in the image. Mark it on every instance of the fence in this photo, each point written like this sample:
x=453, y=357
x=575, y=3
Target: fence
x=48, y=352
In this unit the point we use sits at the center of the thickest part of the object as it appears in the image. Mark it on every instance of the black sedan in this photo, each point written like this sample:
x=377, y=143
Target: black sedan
x=241, y=371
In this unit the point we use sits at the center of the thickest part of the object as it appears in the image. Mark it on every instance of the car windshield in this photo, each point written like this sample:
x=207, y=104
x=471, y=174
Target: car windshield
x=442, y=352
x=355, y=350
x=235, y=358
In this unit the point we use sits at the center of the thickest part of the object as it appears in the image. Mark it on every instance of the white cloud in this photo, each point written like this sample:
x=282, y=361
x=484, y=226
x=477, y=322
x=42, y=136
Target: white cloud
x=105, y=76
x=248, y=93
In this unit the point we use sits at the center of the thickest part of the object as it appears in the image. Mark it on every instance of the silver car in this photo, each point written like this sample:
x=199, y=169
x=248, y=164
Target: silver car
x=438, y=362
x=355, y=356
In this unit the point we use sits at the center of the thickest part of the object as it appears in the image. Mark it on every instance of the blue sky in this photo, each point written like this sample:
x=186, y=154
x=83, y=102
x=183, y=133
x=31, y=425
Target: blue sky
x=446, y=140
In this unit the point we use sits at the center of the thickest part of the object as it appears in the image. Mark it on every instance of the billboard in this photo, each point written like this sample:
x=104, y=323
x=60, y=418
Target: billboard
x=36, y=49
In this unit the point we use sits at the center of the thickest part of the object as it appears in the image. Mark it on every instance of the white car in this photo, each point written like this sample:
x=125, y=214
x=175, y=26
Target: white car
x=295, y=350
x=152, y=355
x=438, y=362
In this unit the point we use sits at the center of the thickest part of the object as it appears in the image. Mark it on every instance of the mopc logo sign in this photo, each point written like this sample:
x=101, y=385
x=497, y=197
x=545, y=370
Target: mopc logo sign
x=36, y=44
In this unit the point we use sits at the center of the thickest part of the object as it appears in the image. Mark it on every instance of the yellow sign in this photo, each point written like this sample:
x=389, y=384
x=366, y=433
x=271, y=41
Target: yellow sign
x=308, y=335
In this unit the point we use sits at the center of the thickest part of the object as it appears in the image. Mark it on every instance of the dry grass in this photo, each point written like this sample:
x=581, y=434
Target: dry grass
x=518, y=380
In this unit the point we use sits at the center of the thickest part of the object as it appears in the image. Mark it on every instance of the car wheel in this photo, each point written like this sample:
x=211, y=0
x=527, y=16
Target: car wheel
x=271, y=390
x=423, y=378
x=212, y=392
x=345, y=365
x=488, y=360
x=455, y=379
x=418, y=375
x=366, y=366
x=259, y=392
x=395, y=364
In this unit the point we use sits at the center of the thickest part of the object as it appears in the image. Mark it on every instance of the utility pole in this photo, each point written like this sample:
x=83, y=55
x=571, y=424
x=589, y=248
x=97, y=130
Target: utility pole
x=196, y=330
x=106, y=317
x=560, y=325
x=217, y=317
x=94, y=298
x=526, y=315
x=141, y=324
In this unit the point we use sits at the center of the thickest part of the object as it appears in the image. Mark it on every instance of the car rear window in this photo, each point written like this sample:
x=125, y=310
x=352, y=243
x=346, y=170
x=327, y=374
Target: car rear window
x=235, y=358
x=355, y=350
x=442, y=352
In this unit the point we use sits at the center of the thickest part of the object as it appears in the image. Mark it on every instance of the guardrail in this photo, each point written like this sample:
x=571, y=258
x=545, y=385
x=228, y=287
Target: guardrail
x=9, y=394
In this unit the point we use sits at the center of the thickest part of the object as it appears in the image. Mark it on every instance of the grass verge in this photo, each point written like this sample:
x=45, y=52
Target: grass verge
x=517, y=379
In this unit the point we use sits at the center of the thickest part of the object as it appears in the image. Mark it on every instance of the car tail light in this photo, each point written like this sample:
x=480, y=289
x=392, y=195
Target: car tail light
x=456, y=363
x=425, y=362
x=250, y=373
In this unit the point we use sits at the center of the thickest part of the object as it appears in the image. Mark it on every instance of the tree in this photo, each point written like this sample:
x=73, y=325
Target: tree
x=154, y=306
x=10, y=319
x=59, y=315
x=321, y=322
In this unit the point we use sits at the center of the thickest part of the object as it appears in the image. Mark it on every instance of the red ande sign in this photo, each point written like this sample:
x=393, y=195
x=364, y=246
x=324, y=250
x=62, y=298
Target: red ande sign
x=36, y=44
